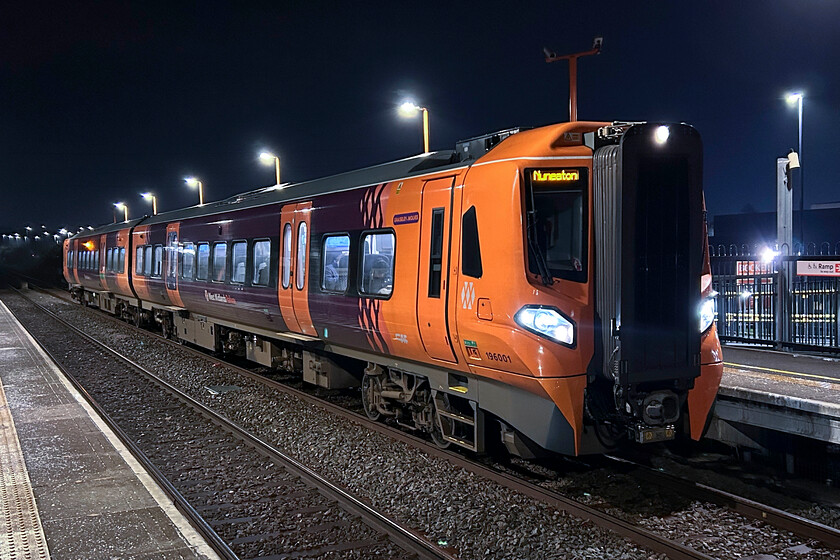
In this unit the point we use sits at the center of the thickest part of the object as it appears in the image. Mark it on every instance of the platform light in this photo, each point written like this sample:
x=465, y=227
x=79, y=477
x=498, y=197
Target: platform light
x=153, y=198
x=408, y=109
x=268, y=158
x=746, y=294
x=768, y=255
x=194, y=182
x=661, y=134
x=123, y=207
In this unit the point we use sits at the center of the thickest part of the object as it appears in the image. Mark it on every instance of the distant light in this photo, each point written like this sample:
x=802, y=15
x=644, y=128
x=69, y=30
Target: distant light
x=768, y=255
x=746, y=294
x=409, y=109
x=794, y=98
x=147, y=195
x=119, y=205
x=28, y=228
x=89, y=227
x=191, y=181
x=661, y=135
x=267, y=157
x=63, y=231
x=38, y=237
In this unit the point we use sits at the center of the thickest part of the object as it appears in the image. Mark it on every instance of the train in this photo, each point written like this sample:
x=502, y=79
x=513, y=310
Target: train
x=544, y=290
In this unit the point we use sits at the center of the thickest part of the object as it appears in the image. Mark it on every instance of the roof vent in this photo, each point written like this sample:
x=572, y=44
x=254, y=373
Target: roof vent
x=474, y=148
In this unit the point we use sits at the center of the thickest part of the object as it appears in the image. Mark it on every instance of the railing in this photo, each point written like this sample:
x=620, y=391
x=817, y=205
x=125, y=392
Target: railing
x=781, y=298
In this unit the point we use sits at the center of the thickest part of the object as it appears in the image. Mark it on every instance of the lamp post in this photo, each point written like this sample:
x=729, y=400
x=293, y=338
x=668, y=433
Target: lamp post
x=795, y=98
x=123, y=207
x=193, y=182
x=153, y=198
x=572, y=58
x=267, y=158
x=408, y=110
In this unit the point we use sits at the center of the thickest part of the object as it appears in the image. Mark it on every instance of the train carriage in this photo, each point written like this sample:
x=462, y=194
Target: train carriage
x=546, y=288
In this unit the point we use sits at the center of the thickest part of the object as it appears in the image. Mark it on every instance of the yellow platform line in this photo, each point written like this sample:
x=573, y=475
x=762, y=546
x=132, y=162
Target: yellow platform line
x=794, y=373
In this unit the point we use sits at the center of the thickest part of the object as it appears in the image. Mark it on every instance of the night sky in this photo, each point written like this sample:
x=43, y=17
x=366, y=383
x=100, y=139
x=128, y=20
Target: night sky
x=102, y=101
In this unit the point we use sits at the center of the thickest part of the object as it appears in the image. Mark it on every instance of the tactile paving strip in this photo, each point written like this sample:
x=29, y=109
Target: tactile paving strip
x=23, y=537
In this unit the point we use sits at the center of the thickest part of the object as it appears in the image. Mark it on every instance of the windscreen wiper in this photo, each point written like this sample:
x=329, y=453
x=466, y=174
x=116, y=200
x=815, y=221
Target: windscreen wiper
x=539, y=257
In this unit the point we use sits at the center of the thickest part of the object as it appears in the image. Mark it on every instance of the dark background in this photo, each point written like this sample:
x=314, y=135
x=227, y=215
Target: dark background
x=100, y=101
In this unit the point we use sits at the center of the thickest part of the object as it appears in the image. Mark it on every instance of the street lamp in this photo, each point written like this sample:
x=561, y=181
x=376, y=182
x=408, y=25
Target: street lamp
x=408, y=110
x=795, y=98
x=193, y=182
x=267, y=158
x=123, y=207
x=150, y=196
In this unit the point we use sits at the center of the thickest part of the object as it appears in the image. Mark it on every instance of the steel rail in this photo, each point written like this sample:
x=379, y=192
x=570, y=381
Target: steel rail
x=403, y=536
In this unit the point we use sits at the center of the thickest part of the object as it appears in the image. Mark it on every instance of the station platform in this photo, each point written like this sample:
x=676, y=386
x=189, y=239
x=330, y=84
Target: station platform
x=69, y=488
x=792, y=393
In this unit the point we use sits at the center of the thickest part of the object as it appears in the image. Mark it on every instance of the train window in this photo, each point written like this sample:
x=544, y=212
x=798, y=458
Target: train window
x=109, y=260
x=121, y=261
x=203, y=272
x=300, y=274
x=157, y=264
x=96, y=261
x=238, y=254
x=147, y=260
x=219, y=261
x=70, y=258
x=188, y=261
x=470, y=247
x=138, y=261
x=262, y=260
x=287, y=255
x=377, y=274
x=335, y=258
x=436, y=252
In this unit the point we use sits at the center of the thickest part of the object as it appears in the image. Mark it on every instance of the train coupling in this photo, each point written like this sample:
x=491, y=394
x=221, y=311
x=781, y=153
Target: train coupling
x=641, y=433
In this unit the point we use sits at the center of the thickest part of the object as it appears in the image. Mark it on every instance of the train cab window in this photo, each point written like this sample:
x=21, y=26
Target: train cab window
x=261, y=260
x=238, y=254
x=157, y=263
x=147, y=260
x=470, y=247
x=188, y=261
x=121, y=261
x=203, y=270
x=287, y=255
x=335, y=258
x=377, y=274
x=219, y=261
x=138, y=261
x=300, y=273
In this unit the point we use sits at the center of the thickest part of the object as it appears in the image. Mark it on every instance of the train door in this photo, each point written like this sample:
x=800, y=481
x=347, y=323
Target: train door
x=293, y=289
x=432, y=285
x=172, y=237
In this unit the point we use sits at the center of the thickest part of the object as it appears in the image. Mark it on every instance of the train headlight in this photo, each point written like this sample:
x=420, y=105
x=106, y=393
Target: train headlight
x=706, y=312
x=547, y=322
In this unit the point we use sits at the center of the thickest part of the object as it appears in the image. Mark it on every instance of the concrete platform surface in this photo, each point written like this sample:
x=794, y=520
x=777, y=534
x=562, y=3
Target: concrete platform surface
x=94, y=500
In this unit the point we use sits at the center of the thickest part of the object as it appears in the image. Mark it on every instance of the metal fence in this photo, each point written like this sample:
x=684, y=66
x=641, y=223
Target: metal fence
x=785, y=299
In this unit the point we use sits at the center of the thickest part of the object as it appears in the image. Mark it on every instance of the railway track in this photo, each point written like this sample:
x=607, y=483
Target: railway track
x=247, y=498
x=801, y=527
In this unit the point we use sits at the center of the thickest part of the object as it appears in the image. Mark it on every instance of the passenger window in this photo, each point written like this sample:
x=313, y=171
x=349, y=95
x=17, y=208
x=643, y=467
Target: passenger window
x=96, y=261
x=138, y=261
x=219, y=261
x=287, y=255
x=147, y=260
x=377, y=264
x=335, y=261
x=109, y=260
x=69, y=259
x=158, y=263
x=203, y=272
x=238, y=253
x=262, y=260
x=470, y=249
x=188, y=261
x=300, y=273
x=121, y=263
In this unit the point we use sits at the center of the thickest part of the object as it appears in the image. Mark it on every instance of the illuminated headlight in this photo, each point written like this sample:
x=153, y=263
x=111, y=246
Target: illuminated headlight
x=547, y=322
x=706, y=312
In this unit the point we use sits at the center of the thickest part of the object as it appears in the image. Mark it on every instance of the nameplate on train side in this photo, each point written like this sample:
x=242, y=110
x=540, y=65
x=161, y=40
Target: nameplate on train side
x=407, y=218
x=818, y=268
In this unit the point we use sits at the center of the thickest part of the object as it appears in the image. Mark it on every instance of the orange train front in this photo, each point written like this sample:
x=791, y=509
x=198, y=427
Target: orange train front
x=544, y=289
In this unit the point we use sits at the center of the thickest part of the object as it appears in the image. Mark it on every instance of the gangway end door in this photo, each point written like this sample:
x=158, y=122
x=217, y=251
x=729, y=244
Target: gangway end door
x=293, y=290
x=432, y=280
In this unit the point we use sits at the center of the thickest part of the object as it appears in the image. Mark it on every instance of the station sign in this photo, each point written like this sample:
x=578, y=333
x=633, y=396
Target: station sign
x=818, y=268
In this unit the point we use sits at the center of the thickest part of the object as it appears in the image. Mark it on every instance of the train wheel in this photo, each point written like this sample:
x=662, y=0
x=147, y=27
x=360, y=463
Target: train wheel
x=435, y=433
x=371, y=396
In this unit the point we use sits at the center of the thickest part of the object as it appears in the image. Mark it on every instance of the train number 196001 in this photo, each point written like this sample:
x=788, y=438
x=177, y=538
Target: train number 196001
x=497, y=357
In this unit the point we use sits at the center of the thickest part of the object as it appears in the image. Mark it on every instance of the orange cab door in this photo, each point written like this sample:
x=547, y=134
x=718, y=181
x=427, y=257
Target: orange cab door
x=293, y=291
x=432, y=286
